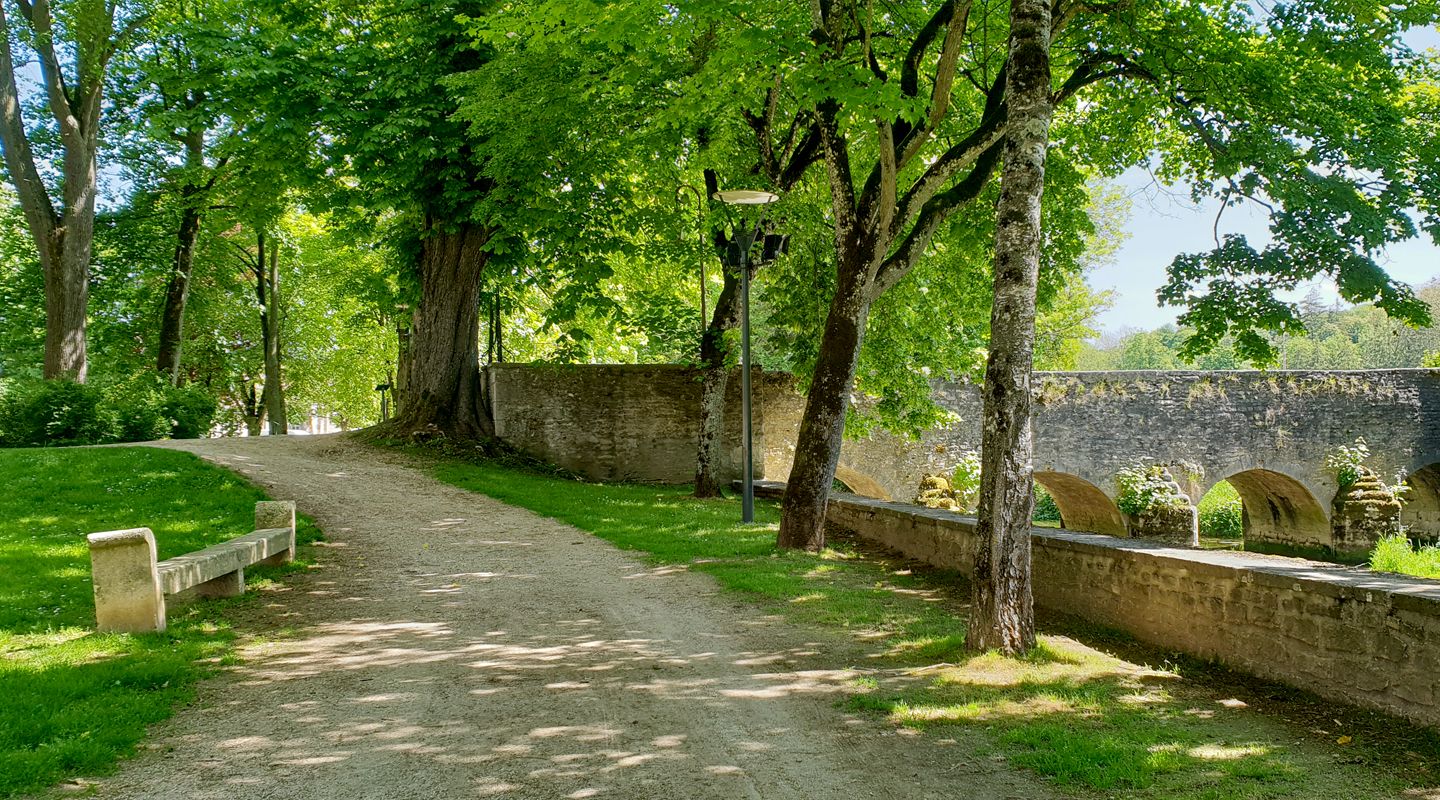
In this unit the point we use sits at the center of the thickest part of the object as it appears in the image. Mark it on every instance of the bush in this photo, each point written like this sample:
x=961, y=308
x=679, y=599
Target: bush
x=1222, y=513
x=1144, y=486
x=140, y=407
x=192, y=412
x=1396, y=554
x=38, y=413
x=150, y=408
x=137, y=409
x=1045, y=508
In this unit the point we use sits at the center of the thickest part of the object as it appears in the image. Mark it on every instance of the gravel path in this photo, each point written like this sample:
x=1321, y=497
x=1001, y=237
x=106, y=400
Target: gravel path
x=451, y=646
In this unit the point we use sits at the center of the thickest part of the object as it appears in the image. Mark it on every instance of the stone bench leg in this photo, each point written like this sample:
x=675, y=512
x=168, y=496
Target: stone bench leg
x=231, y=584
x=128, y=598
x=276, y=514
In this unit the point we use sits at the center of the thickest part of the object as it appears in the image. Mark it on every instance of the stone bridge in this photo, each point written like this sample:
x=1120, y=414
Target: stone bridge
x=1267, y=433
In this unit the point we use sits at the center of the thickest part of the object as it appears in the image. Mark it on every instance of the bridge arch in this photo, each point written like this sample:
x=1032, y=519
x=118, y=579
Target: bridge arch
x=1422, y=503
x=1083, y=505
x=860, y=483
x=1280, y=513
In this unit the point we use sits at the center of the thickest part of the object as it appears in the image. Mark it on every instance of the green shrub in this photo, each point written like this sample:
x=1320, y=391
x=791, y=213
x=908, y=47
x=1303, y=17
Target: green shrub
x=1396, y=554
x=1347, y=462
x=150, y=408
x=1144, y=486
x=965, y=480
x=139, y=404
x=41, y=413
x=140, y=408
x=1222, y=513
x=1045, y=508
x=191, y=410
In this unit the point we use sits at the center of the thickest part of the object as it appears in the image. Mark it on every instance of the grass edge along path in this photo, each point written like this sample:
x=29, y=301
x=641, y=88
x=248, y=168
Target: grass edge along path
x=73, y=701
x=1092, y=723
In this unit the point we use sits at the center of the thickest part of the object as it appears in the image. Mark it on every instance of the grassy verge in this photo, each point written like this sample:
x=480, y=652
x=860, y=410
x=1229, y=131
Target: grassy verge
x=74, y=700
x=1089, y=721
x=1396, y=554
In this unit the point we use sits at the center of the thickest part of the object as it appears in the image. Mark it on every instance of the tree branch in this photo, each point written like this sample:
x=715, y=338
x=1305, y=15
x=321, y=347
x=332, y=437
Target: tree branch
x=19, y=159
x=935, y=212
x=58, y=94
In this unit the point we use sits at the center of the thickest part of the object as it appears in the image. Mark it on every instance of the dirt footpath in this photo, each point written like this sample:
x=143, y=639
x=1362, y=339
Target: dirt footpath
x=451, y=646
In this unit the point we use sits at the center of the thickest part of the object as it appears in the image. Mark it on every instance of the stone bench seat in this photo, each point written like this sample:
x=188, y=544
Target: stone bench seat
x=223, y=561
x=130, y=585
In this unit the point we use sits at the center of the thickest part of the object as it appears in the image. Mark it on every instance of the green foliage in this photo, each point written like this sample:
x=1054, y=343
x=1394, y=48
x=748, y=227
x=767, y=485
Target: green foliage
x=1045, y=508
x=1335, y=337
x=965, y=480
x=1396, y=554
x=1432, y=360
x=1222, y=513
x=1346, y=462
x=143, y=407
x=1144, y=486
x=75, y=700
x=58, y=413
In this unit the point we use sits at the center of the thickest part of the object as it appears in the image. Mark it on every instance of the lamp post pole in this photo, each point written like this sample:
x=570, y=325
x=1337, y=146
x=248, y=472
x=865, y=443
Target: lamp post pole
x=747, y=502
x=745, y=237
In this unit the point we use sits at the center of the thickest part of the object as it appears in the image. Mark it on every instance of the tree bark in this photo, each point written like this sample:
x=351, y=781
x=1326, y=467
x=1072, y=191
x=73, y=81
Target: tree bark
x=270, y=323
x=714, y=385
x=63, y=240
x=252, y=409
x=399, y=393
x=1002, y=608
x=177, y=289
x=822, y=428
x=442, y=387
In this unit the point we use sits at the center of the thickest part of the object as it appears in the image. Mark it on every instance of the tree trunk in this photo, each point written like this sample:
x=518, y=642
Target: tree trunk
x=268, y=288
x=253, y=410
x=399, y=394
x=62, y=240
x=714, y=385
x=177, y=293
x=177, y=290
x=1002, y=609
x=442, y=387
x=822, y=429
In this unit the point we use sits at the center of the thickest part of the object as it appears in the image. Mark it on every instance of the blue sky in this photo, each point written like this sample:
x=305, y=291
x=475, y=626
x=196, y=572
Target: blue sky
x=1165, y=223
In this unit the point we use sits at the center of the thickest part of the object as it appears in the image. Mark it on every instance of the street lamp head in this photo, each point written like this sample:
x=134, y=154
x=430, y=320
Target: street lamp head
x=746, y=197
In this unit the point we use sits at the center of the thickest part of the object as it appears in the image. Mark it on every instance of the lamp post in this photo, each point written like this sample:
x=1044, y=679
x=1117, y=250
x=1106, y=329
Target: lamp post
x=738, y=255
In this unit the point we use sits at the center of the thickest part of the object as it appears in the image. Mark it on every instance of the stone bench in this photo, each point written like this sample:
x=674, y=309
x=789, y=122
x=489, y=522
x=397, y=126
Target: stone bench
x=130, y=585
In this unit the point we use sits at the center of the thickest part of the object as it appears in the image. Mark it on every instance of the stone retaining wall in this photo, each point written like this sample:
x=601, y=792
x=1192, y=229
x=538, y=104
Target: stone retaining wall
x=1346, y=634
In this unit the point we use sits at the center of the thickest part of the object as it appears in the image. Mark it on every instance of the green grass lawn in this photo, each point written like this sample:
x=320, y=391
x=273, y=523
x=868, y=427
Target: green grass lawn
x=72, y=701
x=1089, y=721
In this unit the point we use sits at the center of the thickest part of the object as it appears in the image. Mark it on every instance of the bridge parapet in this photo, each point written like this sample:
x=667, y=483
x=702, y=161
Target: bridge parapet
x=1267, y=433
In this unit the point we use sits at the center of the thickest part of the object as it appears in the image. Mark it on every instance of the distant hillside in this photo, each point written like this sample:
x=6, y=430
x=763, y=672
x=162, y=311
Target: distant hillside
x=1347, y=337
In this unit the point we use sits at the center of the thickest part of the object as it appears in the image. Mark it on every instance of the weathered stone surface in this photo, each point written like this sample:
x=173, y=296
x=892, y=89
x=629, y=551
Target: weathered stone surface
x=1346, y=634
x=130, y=586
x=1362, y=514
x=127, y=589
x=271, y=514
x=1179, y=524
x=218, y=560
x=1265, y=432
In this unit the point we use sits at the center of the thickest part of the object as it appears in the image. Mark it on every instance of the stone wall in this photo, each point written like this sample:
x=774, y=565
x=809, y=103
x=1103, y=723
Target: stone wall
x=1346, y=634
x=1267, y=433
x=613, y=422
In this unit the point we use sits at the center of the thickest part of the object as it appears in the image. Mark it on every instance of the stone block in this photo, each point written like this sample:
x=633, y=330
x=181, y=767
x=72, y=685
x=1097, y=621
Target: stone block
x=127, y=586
x=275, y=514
x=231, y=584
